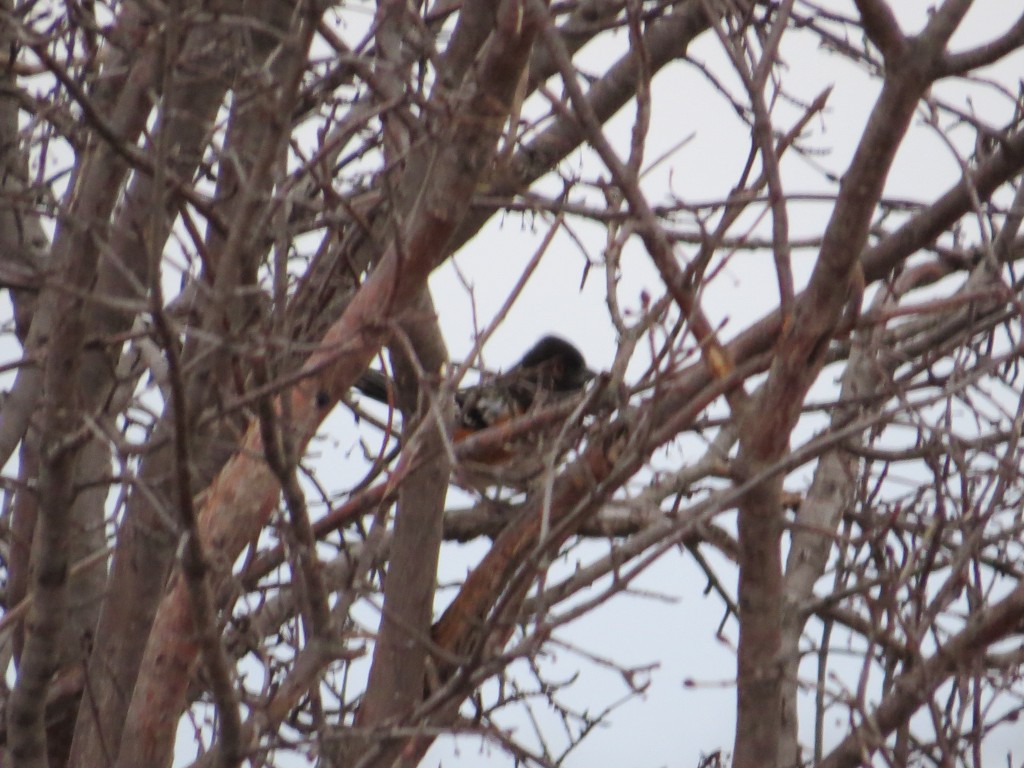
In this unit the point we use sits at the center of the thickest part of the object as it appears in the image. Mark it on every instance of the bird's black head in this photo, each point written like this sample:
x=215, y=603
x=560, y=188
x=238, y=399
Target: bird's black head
x=559, y=364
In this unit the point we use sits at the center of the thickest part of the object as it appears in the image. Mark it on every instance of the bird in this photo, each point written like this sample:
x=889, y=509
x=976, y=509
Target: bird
x=551, y=371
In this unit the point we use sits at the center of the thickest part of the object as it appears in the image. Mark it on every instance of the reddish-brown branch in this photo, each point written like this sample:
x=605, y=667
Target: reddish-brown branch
x=400, y=653
x=766, y=427
x=965, y=61
x=59, y=326
x=915, y=687
x=881, y=27
x=241, y=497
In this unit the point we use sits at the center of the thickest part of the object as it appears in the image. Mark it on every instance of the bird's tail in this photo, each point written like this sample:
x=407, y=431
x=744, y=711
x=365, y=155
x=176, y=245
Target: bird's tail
x=376, y=386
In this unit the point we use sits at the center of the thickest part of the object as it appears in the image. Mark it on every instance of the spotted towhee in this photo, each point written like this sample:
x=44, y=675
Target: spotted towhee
x=551, y=372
